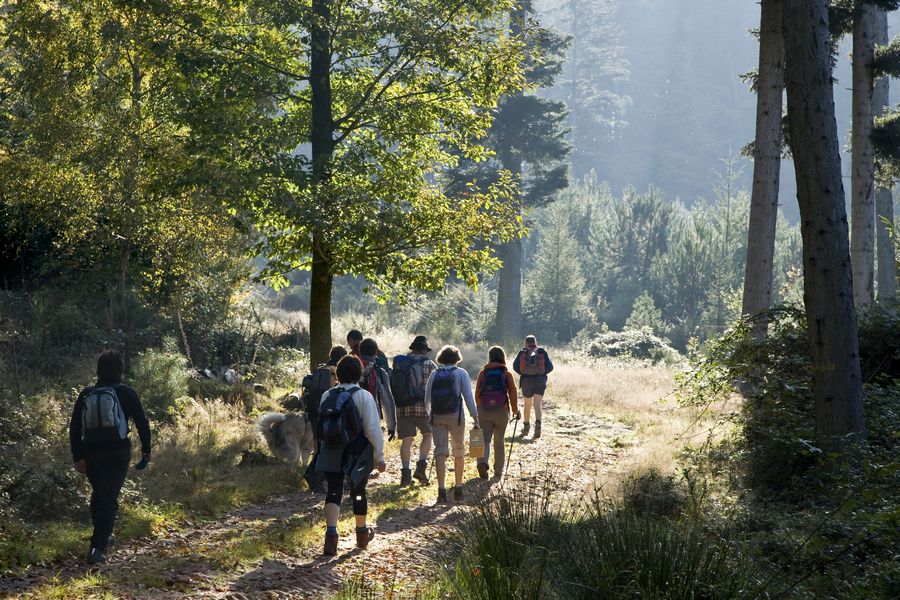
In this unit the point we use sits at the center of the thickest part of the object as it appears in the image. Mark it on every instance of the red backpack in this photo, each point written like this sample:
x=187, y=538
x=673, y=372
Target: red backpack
x=531, y=362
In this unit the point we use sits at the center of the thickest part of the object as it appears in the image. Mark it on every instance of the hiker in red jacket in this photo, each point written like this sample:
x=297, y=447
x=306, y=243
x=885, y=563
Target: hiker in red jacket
x=533, y=364
x=496, y=399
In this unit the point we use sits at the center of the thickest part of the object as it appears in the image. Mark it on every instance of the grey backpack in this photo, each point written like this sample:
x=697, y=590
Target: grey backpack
x=102, y=419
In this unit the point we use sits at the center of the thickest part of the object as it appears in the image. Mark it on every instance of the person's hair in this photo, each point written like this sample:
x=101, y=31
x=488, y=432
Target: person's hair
x=110, y=366
x=349, y=369
x=530, y=339
x=449, y=355
x=496, y=355
x=368, y=347
x=354, y=336
x=337, y=353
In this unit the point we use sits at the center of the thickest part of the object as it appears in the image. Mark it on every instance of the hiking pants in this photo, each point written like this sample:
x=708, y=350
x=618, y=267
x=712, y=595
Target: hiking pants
x=493, y=425
x=106, y=471
x=357, y=493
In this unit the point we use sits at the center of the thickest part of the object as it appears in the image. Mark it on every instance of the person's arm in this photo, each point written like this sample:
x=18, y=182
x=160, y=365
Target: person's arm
x=466, y=383
x=516, y=362
x=547, y=362
x=387, y=400
x=512, y=392
x=368, y=412
x=428, y=392
x=478, y=381
x=141, y=422
x=75, y=430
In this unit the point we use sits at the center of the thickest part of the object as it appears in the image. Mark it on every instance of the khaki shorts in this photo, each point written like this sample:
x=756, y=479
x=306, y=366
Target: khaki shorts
x=449, y=429
x=407, y=426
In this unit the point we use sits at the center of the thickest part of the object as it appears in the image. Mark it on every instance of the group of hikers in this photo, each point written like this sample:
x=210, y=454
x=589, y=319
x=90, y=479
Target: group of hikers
x=415, y=395
x=345, y=400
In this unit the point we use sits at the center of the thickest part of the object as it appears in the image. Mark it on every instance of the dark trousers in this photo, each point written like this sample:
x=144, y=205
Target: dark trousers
x=106, y=471
x=357, y=493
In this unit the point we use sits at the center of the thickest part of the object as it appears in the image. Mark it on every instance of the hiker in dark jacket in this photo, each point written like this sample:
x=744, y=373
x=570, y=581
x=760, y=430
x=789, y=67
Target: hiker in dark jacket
x=533, y=364
x=378, y=383
x=98, y=436
x=354, y=460
x=495, y=396
x=355, y=338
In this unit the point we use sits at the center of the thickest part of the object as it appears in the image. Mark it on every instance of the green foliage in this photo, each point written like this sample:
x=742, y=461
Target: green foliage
x=638, y=344
x=644, y=314
x=555, y=303
x=161, y=379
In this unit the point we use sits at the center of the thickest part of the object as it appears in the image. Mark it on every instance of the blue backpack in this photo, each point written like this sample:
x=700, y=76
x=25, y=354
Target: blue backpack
x=339, y=420
x=445, y=398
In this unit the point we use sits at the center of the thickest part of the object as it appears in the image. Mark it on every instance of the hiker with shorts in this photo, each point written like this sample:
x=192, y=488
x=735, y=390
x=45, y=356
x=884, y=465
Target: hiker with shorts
x=448, y=388
x=377, y=382
x=350, y=446
x=533, y=364
x=496, y=398
x=408, y=380
x=98, y=436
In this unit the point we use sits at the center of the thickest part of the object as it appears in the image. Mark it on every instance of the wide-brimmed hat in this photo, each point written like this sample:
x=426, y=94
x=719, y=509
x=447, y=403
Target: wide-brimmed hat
x=420, y=344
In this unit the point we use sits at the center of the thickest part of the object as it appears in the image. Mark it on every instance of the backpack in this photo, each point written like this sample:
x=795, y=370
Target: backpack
x=406, y=380
x=102, y=418
x=445, y=398
x=532, y=362
x=493, y=392
x=314, y=387
x=339, y=420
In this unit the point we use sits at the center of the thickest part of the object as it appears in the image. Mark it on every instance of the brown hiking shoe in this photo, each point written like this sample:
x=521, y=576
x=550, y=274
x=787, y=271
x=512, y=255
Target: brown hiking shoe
x=331, y=544
x=482, y=470
x=405, y=477
x=364, y=536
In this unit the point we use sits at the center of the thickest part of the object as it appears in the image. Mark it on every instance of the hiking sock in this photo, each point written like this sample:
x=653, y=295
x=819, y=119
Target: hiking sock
x=362, y=529
x=405, y=464
x=331, y=530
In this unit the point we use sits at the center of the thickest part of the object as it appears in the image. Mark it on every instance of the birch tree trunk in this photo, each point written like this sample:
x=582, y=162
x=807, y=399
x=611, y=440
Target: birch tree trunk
x=766, y=165
x=827, y=276
x=886, y=273
x=862, y=203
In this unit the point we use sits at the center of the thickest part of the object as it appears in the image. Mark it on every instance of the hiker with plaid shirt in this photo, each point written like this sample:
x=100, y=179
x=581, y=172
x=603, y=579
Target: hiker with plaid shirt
x=408, y=378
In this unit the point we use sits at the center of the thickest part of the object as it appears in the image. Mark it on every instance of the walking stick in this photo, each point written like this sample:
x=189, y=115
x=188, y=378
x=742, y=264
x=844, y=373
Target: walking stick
x=512, y=440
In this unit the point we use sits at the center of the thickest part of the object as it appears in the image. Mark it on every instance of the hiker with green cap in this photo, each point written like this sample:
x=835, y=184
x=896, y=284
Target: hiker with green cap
x=533, y=365
x=449, y=389
x=409, y=377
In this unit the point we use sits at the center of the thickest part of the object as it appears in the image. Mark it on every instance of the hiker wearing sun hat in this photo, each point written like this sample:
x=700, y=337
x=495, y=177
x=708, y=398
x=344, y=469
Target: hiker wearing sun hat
x=533, y=364
x=408, y=378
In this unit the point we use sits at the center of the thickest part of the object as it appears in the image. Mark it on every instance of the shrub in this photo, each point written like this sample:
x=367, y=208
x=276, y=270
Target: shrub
x=632, y=343
x=160, y=377
x=653, y=494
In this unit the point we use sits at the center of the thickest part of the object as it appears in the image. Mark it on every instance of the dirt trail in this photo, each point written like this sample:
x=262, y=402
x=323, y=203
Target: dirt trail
x=407, y=546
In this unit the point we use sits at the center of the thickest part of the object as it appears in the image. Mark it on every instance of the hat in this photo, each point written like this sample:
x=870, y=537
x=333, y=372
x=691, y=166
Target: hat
x=420, y=344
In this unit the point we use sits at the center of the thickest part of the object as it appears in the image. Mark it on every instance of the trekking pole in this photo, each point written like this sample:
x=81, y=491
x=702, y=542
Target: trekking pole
x=512, y=440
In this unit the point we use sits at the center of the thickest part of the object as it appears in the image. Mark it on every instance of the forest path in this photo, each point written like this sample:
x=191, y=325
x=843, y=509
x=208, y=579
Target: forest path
x=273, y=549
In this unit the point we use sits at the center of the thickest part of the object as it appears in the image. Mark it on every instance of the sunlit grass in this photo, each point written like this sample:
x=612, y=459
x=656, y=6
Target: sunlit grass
x=91, y=586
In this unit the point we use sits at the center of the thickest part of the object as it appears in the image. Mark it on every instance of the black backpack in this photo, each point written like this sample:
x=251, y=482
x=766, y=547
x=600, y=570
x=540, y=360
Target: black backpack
x=314, y=387
x=445, y=398
x=406, y=380
x=102, y=418
x=339, y=420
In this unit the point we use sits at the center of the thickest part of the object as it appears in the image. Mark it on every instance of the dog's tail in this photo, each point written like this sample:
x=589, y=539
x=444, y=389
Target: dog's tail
x=267, y=424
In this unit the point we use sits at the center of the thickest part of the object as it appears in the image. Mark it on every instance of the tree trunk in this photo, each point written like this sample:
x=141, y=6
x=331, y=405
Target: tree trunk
x=509, y=288
x=322, y=139
x=886, y=274
x=766, y=166
x=862, y=204
x=828, y=280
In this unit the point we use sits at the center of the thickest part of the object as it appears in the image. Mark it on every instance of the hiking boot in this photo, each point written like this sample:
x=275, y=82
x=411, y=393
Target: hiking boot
x=405, y=477
x=95, y=557
x=442, y=497
x=457, y=494
x=483, y=470
x=526, y=427
x=331, y=544
x=110, y=542
x=364, y=535
x=420, y=474
x=537, y=430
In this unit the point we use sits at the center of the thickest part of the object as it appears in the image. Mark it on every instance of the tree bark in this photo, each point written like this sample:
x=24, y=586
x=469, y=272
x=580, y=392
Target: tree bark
x=886, y=274
x=828, y=279
x=509, y=289
x=766, y=166
x=322, y=139
x=862, y=205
